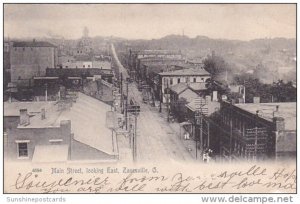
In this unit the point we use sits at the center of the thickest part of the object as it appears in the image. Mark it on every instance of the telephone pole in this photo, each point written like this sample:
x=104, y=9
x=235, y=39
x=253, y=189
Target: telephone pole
x=135, y=137
x=46, y=92
x=126, y=106
x=134, y=109
x=168, y=102
x=121, y=92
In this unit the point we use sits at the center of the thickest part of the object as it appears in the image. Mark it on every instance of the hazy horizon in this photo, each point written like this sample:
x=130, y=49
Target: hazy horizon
x=150, y=21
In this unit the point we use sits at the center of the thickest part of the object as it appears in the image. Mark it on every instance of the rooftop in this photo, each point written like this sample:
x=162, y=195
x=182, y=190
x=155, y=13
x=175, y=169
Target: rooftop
x=189, y=95
x=178, y=88
x=76, y=72
x=52, y=119
x=163, y=52
x=88, y=123
x=191, y=66
x=197, y=103
x=162, y=60
x=266, y=111
x=87, y=115
x=186, y=72
x=33, y=44
x=156, y=62
x=33, y=108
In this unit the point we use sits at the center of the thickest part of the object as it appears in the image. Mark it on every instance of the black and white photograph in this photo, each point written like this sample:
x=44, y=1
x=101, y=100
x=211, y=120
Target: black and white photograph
x=149, y=98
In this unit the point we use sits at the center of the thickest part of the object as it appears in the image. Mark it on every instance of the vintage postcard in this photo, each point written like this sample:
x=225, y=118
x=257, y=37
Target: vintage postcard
x=149, y=98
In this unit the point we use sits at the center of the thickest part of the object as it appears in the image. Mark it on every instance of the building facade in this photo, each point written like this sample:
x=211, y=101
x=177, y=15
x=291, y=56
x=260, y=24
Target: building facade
x=53, y=131
x=29, y=59
x=195, y=78
x=258, y=131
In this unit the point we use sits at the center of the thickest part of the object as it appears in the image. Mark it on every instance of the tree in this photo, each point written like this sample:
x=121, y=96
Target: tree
x=284, y=92
x=254, y=88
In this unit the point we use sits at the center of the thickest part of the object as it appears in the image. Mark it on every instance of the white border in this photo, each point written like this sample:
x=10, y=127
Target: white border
x=127, y=198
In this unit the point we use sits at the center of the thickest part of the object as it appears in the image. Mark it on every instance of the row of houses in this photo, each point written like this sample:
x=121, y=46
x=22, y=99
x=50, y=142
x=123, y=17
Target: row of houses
x=234, y=131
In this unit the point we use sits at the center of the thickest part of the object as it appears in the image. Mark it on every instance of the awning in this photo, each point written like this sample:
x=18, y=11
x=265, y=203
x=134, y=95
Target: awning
x=50, y=153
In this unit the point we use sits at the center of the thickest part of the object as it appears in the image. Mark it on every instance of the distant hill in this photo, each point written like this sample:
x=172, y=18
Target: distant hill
x=274, y=54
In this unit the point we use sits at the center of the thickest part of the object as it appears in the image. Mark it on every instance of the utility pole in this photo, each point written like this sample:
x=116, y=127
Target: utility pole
x=121, y=92
x=126, y=106
x=201, y=133
x=46, y=92
x=244, y=92
x=134, y=138
x=208, y=136
x=256, y=136
x=134, y=109
x=168, y=102
x=160, y=98
x=196, y=148
x=231, y=126
x=197, y=122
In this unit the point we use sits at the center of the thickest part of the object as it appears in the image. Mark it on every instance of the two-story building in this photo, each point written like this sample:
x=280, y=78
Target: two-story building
x=196, y=78
x=58, y=131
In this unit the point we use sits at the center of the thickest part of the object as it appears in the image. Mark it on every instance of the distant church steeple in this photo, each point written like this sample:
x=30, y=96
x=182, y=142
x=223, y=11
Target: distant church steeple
x=85, y=32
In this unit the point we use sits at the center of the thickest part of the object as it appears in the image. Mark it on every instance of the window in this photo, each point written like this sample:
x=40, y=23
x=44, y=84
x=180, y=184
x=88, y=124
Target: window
x=171, y=81
x=23, y=149
x=83, y=66
x=194, y=80
x=23, y=48
x=178, y=80
x=88, y=65
x=202, y=79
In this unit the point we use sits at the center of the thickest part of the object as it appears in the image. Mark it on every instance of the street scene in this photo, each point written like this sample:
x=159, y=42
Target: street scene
x=104, y=92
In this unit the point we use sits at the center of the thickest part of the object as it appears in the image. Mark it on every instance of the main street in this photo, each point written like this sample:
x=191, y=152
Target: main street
x=156, y=140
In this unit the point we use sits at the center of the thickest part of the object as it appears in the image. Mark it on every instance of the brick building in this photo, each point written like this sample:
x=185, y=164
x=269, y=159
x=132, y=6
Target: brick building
x=258, y=131
x=29, y=59
x=58, y=131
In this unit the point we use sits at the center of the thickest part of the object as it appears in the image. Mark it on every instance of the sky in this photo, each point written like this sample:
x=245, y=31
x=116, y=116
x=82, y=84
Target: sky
x=151, y=21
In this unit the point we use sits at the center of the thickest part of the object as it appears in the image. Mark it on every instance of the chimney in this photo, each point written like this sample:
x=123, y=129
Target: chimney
x=279, y=123
x=24, y=117
x=215, y=96
x=43, y=114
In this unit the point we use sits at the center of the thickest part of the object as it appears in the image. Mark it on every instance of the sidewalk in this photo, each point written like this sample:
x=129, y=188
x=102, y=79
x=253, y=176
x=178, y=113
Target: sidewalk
x=174, y=127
